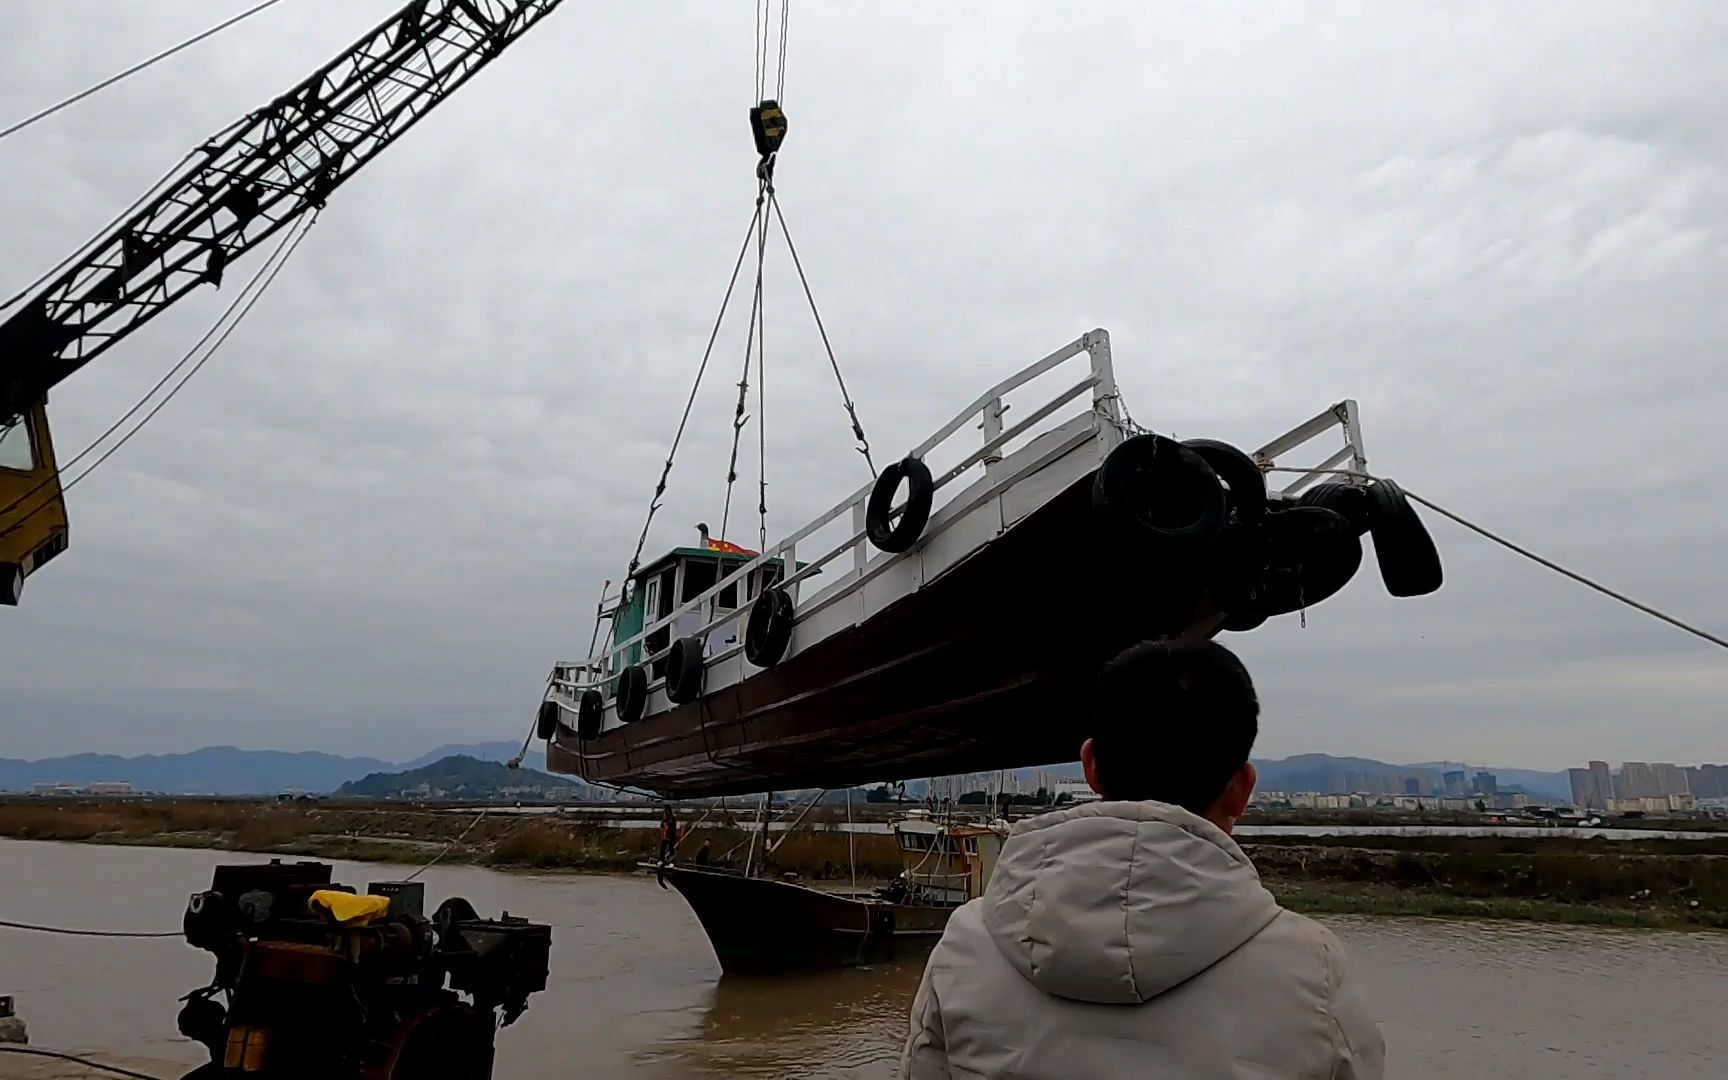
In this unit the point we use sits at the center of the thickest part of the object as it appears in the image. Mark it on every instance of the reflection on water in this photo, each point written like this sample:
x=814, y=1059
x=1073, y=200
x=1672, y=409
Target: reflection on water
x=635, y=990
x=843, y=1023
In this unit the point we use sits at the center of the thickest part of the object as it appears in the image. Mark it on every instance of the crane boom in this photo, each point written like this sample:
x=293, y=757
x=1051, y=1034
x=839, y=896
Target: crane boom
x=250, y=180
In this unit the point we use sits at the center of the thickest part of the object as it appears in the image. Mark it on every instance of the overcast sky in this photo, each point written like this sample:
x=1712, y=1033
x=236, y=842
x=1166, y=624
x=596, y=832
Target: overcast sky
x=382, y=512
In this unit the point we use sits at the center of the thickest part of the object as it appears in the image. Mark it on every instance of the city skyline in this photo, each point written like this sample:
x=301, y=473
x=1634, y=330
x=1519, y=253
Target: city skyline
x=1598, y=787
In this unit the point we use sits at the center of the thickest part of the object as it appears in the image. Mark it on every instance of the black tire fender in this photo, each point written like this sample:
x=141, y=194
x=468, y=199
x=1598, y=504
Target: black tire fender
x=546, y=720
x=1239, y=473
x=685, y=669
x=1409, y=562
x=1155, y=490
x=896, y=536
x=590, y=710
x=768, y=631
x=1348, y=501
x=1312, y=554
x=632, y=693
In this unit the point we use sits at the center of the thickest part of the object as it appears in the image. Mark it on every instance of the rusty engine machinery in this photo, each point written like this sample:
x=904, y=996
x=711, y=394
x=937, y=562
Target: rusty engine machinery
x=321, y=983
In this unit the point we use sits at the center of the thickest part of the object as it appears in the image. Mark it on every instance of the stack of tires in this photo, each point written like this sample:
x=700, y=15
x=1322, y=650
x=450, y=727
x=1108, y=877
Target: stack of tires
x=1200, y=509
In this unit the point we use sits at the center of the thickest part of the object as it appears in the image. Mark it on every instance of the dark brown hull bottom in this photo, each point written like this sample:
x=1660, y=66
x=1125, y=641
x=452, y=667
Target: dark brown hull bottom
x=762, y=925
x=985, y=668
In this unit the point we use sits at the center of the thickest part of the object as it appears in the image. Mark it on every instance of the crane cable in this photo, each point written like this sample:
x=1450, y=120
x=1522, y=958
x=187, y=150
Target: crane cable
x=136, y=68
x=234, y=314
x=767, y=202
x=753, y=340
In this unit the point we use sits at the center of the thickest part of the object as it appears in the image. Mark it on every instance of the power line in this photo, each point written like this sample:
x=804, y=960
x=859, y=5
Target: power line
x=40, y=929
x=1540, y=560
x=283, y=247
x=136, y=68
x=30, y=1051
x=291, y=240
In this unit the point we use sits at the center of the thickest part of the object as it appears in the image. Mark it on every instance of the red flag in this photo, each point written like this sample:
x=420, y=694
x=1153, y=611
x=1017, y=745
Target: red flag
x=730, y=548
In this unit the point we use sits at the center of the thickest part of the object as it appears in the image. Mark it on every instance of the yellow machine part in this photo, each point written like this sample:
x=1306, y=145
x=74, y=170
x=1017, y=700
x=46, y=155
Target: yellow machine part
x=349, y=909
x=32, y=509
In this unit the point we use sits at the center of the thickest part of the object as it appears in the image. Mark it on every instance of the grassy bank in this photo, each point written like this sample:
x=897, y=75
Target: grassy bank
x=1614, y=883
x=396, y=833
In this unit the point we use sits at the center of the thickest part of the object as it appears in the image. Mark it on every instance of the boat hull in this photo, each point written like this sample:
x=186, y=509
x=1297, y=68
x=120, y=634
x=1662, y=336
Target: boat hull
x=985, y=667
x=763, y=925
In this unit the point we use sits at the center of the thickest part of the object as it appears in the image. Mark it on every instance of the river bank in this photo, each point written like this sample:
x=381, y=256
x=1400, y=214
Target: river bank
x=1656, y=883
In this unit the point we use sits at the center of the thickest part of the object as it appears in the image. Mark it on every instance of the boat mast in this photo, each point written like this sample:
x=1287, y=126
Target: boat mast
x=760, y=834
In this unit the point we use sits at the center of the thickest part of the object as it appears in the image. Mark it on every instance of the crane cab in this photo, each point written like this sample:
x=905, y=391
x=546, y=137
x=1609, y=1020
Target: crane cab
x=32, y=509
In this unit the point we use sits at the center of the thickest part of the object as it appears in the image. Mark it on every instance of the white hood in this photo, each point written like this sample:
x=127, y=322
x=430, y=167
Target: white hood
x=1117, y=902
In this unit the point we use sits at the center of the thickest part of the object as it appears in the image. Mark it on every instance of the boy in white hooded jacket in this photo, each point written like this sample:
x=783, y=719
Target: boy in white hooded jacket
x=1131, y=937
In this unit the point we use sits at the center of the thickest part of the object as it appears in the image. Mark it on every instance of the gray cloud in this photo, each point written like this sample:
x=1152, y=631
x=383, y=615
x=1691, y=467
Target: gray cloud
x=388, y=506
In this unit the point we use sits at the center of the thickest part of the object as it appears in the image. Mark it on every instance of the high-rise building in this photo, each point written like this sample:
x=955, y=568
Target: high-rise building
x=1637, y=781
x=1708, y=781
x=1585, y=794
x=1604, y=784
x=1670, y=779
x=1485, y=783
x=1454, y=783
x=1412, y=785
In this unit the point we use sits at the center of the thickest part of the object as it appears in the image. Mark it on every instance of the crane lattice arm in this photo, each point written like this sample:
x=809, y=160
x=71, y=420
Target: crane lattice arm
x=250, y=180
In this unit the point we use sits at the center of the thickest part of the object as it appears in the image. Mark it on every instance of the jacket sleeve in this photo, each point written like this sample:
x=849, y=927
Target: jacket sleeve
x=926, y=1053
x=1361, y=1050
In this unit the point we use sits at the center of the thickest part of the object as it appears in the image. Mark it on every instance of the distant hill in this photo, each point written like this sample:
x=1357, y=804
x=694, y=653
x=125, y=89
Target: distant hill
x=485, y=751
x=1325, y=773
x=228, y=770
x=460, y=777
x=214, y=770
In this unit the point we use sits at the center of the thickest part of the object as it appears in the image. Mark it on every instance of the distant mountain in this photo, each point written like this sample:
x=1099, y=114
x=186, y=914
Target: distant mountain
x=1325, y=773
x=486, y=751
x=458, y=776
x=214, y=770
x=228, y=770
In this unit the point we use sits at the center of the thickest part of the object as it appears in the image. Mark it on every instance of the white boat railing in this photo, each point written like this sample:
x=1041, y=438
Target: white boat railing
x=603, y=668
x=572, y=677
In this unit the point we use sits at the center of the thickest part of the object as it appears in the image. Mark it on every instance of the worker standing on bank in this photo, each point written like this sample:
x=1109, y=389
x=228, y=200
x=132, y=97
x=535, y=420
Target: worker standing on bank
x=668, y=834
x=1132, y=936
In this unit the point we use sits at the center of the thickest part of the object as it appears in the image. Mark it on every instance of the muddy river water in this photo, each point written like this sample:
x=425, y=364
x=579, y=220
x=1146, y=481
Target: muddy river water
x=635, y=990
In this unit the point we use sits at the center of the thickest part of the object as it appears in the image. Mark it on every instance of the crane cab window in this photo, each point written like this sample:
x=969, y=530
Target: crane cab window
x=17, y=446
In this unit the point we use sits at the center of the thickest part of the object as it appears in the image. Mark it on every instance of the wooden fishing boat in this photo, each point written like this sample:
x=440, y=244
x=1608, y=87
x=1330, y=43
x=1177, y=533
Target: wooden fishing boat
x=954, y=626
x=759, y=923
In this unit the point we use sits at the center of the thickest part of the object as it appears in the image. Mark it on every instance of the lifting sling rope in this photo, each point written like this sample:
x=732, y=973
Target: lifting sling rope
x=768, y=127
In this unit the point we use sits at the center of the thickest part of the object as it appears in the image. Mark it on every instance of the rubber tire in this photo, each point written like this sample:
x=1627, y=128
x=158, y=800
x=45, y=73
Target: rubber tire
x=590, y=710
x=546, y=721
x=1312, y=554
x=1238, y=472
x=632, y=694
x=1349, y=501
x=896, y=537
x=768, y=631
x=1409, y=562
x=1156, y=491
x=685, y=670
